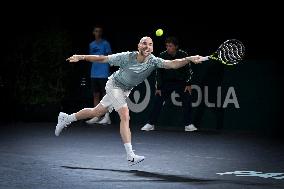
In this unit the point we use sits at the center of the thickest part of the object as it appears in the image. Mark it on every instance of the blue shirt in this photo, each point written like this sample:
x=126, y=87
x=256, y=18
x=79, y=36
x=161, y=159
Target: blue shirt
x=99, y=48
x=131, y=73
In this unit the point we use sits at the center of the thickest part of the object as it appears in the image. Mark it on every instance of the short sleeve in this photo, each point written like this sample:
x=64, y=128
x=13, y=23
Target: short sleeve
x=158, y=62
x=118, y=59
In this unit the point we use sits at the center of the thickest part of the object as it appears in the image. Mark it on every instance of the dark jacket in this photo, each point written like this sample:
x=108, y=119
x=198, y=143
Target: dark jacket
x=180, y=75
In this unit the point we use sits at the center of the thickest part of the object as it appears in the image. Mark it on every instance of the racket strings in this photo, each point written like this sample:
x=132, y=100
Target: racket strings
x=231, y=52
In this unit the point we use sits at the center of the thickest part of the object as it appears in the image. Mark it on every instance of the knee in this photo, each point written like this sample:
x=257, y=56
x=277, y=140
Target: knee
x=125, y=117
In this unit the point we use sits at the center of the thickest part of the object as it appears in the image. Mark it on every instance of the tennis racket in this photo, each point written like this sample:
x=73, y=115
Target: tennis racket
x=230, y=53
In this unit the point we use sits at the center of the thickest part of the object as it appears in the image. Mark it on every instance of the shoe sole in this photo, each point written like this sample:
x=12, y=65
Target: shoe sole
x=148, y=129
x=57, y=132
x=104, y=123
x=191, y=130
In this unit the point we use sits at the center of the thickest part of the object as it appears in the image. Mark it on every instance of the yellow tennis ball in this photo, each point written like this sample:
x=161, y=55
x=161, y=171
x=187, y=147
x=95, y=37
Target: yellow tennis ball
x=159, y=32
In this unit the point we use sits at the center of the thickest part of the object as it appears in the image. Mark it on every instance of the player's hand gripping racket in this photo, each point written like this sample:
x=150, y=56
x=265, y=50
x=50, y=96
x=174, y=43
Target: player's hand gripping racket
x=231, y=52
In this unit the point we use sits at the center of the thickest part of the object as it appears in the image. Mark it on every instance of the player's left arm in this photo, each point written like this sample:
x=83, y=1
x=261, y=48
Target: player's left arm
x=178, y=63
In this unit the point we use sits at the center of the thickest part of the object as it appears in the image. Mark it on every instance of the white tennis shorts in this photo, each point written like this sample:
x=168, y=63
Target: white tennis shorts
x=115, y=97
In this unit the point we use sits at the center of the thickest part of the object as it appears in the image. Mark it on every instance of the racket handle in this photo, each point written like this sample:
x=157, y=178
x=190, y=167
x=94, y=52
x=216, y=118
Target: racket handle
x=205, y=58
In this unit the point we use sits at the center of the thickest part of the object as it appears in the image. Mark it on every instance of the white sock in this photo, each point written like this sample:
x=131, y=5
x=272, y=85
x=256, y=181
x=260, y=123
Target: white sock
x=72, y=117
x=128, y=148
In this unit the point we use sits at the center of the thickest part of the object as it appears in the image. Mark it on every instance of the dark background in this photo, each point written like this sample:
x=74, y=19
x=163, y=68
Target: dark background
x=36, y=82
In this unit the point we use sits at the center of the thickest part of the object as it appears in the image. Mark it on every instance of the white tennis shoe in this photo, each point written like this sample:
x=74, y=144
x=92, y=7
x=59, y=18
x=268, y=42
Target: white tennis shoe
x=63, y=122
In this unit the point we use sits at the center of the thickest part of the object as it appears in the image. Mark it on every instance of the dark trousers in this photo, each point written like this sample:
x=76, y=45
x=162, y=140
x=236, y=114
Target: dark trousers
x=166, y=91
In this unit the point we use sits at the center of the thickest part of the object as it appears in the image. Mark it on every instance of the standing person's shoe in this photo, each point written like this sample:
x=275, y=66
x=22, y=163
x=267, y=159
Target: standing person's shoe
x=134, y=159
x=148, y=127
x=105, y=120
x=63, y=121
x=190, y=127
x=93, y=120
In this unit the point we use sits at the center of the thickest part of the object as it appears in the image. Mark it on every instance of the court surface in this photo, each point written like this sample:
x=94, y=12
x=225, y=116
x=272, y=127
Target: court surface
x=93, y=157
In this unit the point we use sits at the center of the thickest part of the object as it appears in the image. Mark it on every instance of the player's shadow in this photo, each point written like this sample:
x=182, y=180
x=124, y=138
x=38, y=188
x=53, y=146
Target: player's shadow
x=158, y=177
x=153, y=176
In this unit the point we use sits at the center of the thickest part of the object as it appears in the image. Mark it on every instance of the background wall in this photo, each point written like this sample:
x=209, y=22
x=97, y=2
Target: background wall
x=245, y=101
x=36, y=82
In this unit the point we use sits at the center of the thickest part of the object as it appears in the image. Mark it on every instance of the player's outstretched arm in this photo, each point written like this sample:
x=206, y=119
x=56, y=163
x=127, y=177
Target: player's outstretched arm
x=89, y=58
x=177, y=63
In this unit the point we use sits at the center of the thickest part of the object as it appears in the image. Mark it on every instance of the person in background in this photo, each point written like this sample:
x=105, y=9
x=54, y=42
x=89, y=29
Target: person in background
x=99, y=72
x=169, y=80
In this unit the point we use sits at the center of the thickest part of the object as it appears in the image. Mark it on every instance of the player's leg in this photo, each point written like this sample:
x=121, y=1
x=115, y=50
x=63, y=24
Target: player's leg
x=124, y=124
x=85, y=113
x=125, y=133
x=117, y=99
x=64, y=119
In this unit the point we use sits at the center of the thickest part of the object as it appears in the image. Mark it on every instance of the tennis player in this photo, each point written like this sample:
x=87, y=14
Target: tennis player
x=135, y=67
